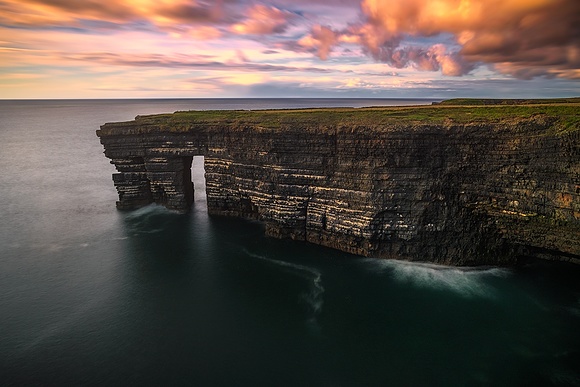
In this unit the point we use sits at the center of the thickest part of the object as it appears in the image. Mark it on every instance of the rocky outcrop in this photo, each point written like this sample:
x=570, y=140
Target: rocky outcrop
x=445, y=184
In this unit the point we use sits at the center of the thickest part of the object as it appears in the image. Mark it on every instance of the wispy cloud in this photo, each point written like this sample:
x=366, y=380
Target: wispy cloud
x=196, y=62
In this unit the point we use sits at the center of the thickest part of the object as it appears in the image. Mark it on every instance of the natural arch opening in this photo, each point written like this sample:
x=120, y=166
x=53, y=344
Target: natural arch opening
x=198, y=179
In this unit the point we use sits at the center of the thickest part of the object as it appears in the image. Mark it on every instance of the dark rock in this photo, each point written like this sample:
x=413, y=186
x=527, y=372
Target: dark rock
x=378, y=183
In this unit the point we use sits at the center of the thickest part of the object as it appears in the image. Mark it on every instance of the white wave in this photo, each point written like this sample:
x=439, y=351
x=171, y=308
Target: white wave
x=150, y=219
x=149, y=210
x=465, y=281
x=314, y=297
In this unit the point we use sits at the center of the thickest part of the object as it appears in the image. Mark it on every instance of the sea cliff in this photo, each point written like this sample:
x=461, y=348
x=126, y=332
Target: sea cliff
x=462, y=182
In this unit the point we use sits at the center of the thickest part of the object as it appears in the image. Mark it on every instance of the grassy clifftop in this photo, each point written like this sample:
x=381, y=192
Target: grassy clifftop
x=563, y=115
x=492, y=101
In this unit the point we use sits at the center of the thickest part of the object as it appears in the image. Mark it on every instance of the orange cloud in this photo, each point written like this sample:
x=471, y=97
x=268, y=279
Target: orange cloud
x=161, y=13
x=264, y=20
x=523, y=38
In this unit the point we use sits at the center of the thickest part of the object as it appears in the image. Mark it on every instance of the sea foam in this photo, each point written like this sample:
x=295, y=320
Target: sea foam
x=149, y=210
x=314, y=296
x=149, y=219
x=465, y=281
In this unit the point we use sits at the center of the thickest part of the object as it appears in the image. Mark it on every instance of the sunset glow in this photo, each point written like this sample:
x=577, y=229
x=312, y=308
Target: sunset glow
x=282, y=48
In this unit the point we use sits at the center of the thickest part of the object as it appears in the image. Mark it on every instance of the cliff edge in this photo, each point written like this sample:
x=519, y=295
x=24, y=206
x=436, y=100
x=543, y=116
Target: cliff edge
x=462, y=183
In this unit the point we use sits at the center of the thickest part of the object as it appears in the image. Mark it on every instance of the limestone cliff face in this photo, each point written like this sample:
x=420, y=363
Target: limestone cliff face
x=377, y=182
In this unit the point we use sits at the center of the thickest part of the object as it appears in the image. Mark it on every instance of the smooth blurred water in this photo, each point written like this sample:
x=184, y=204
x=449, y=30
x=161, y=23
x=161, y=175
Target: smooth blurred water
x=92, y=296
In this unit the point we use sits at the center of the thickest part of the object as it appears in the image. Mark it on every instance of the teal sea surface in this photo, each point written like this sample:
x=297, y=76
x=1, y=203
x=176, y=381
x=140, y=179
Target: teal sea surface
x=93, y=296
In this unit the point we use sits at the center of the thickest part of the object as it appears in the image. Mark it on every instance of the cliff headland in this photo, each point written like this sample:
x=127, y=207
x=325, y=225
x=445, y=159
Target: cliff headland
x=462, y=182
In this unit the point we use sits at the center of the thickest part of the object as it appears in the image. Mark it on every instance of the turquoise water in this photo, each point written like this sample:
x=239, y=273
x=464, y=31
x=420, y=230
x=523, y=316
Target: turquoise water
x=93, y=296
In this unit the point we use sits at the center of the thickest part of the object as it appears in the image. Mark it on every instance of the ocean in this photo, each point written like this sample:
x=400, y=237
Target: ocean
x=93, y=296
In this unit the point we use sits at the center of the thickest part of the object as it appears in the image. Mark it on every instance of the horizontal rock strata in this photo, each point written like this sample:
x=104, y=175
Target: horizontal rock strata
x=452, y=185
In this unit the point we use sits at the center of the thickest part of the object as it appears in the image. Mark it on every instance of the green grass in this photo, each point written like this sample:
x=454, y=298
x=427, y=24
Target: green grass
x=490, y=101
x=563, y=116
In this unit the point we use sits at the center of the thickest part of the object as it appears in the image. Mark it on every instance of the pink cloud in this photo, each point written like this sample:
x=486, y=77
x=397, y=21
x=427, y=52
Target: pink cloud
x=263, y=20
x=321, y=39
x=385, y=47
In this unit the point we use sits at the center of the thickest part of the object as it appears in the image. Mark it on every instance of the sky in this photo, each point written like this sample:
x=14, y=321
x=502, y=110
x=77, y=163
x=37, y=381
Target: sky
x=282, y=48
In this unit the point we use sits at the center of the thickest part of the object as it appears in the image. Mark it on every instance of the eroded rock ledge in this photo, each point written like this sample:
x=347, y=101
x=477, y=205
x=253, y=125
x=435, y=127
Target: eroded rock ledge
x=450, y=184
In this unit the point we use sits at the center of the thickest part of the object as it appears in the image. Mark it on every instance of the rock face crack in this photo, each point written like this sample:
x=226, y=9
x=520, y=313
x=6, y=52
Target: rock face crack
x=455, y=192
